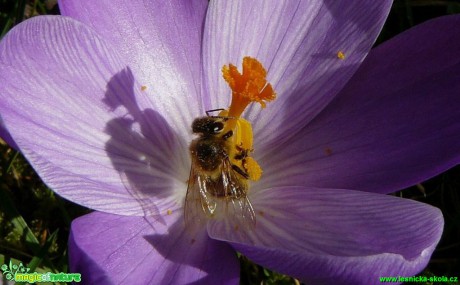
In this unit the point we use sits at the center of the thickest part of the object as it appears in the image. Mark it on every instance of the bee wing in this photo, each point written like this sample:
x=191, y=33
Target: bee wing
x=227, y=195
x=198, y=201
x=238, y=207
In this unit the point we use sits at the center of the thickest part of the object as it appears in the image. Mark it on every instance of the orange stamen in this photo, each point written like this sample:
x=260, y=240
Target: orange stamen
x=249, y=86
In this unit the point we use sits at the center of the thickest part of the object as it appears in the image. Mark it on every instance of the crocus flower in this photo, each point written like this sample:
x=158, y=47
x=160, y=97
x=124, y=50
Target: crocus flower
x=101, y=103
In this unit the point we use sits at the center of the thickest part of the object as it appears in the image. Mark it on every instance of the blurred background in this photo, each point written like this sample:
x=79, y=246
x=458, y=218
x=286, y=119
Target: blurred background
x=35, y=223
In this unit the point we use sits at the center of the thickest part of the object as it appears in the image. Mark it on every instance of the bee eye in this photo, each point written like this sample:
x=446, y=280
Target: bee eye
x=217, y=127
x=207, y=126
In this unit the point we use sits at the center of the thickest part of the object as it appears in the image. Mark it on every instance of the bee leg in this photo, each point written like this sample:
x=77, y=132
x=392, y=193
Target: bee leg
x=242, y=153
x=241, y=172
x=241, y=149
x=227, y=135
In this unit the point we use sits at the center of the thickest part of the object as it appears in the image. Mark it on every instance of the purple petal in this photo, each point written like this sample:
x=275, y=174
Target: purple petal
x=298, y=43
x=327, y=236
x=5, y=135
x=111, y=249
x=160, y=41
x=81, y=119
x=396, y=123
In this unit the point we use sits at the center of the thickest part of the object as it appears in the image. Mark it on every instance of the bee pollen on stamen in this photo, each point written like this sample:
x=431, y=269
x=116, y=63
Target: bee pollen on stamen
x=253, y=168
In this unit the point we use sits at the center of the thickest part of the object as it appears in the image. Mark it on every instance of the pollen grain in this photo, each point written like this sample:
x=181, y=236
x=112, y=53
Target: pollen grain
x=341, y=55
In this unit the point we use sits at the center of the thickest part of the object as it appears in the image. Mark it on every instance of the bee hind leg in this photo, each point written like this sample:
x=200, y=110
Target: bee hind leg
x=240, y=171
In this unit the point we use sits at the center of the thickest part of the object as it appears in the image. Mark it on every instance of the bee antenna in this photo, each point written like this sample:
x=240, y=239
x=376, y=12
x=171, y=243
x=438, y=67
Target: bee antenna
x=213, y=110
x=221, y=117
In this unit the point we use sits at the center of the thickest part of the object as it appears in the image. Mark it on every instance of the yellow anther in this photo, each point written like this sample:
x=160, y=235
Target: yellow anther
x=143, y=88
x=169, y=212
x=252, y=168
x=243, y=137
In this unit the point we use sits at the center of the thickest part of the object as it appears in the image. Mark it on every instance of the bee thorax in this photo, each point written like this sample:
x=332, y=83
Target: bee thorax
x=209, y=153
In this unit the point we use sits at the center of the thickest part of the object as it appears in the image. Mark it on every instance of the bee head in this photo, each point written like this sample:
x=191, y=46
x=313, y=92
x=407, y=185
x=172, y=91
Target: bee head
x=208, y=125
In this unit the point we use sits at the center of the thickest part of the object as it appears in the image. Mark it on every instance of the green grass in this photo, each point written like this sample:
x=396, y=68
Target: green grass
x=35, y=223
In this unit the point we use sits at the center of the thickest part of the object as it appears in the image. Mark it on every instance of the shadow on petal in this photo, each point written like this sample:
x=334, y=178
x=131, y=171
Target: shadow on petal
x=113, y=249
x=143, y=148
x=216, y=260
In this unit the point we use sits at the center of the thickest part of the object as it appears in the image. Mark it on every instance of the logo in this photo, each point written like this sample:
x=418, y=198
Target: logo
x=20, y=273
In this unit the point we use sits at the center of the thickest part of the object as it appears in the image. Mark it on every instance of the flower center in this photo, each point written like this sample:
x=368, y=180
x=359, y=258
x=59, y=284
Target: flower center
x=221, y=154
x=249, y=86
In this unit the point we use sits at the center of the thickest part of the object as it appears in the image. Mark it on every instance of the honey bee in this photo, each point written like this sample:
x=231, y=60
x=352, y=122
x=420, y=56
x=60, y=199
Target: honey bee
x=218, y=184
